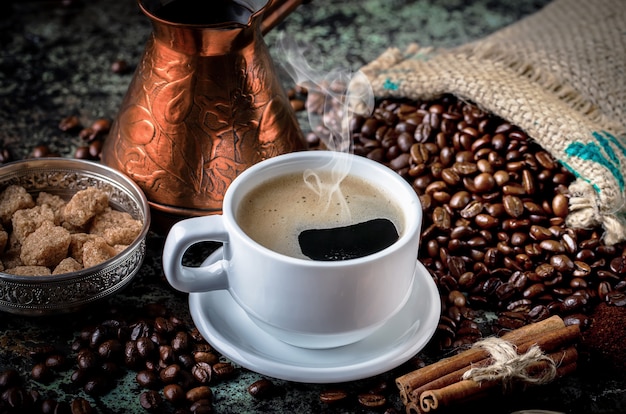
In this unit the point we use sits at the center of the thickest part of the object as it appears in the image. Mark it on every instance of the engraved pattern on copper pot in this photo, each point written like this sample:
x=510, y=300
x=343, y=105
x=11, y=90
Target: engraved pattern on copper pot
x=204, y=104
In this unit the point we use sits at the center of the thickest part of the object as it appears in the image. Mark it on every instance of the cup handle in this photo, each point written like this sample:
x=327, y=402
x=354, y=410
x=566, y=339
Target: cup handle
x=181, y=236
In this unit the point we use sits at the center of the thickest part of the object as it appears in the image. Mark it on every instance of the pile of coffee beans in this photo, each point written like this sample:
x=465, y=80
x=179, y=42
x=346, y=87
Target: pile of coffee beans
x=91, y=139
x=494, y=202
x=175, y=367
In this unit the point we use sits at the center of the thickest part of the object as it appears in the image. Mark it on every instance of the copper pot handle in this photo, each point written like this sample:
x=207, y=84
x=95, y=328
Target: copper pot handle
x=276, y=11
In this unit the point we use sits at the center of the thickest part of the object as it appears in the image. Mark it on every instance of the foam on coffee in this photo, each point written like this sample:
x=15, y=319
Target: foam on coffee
x=277, y=211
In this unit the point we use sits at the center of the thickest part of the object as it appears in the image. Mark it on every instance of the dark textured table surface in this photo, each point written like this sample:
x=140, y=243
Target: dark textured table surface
x=55, y=61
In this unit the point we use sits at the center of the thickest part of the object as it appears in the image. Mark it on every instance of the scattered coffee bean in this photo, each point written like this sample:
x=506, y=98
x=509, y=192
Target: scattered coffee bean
x=333, y=396
x=262, y=388
x=223, y=370
x=120, y=67
x=5, y=155
x=69, y=123
x=372, y=400
x=41, y=151
x=202, y=392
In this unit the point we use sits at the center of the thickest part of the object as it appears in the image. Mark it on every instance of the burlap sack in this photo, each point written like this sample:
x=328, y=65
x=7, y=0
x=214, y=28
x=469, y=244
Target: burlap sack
x=560, y=75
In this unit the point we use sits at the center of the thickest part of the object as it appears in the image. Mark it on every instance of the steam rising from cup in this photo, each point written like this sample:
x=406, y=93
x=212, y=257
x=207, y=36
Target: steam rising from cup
x=345, y=94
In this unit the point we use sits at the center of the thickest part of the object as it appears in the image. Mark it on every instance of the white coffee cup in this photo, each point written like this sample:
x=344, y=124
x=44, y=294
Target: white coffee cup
x=306, y=303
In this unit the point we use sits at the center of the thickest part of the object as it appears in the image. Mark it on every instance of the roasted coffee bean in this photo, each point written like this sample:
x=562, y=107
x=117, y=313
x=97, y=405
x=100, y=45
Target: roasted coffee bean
x=163, y=325
x=604, y=288
x=79, y=376
x=82, y=153
x=48, y=406
x=145, y=347
x=9, y=377
x=110, y=349
x=80, y=405
x=101, y=125
x=151, y=400
x=40, y=151
x=166, y=354
x=88, y=134
x=148, y=379
x=472, y=209
x=223, y=370
x=538, y=313
x=203, y=406
x=562, y=263
x=96, y=385
x=5, y=155
x=174, y=393
x=616, y=298
x=202, y=392
x=170, y=373
x=120, y=67
x=577, y=319
x=457, y=298
x=186, y=361
x=139, y=330
x=86, y=359
x=332, y=396
x=560, y=205
x=372, y=400
x=618, y=265
x=180, y=343
x=513, y=205
x=95, y=149
x=15, y=397
x=202, y=372
x=131, y=355
x=485, y=221
x=204, y=356
x=262, y=388
x=69, y=123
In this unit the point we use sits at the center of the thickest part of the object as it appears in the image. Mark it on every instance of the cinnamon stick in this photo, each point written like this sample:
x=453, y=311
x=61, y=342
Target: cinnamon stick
x=412, y=380
x=469, y=389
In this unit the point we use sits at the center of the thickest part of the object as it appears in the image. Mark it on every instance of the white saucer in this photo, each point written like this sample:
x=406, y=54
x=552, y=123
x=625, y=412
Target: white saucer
x=224, y=324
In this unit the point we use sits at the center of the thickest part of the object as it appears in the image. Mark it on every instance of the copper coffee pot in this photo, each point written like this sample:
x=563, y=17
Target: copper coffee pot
x=204, y=104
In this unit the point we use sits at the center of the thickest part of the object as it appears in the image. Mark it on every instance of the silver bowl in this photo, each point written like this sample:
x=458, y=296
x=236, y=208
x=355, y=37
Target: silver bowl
x=64, y=293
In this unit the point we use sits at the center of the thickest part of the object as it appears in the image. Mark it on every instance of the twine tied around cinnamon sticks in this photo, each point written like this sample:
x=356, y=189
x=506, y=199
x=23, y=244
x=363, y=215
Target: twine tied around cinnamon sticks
x=533, y=354
x=508, y=366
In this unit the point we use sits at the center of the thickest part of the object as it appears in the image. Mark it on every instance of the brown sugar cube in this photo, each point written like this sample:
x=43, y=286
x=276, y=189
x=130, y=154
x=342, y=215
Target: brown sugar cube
x=56, y=203
x=119, y=248
x=13, y=198
x=77, y=243
x=96, y=251
x=72, y=228
x=4, y=238
x=1, y=266
x=117, y=227
x=29, y=271
x=11, y=258
x=46, y=246
x=67, y=265
x=27, y=220
x=84, y=205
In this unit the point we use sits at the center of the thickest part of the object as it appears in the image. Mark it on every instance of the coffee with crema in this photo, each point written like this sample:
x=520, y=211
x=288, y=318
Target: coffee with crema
x=288, y=216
